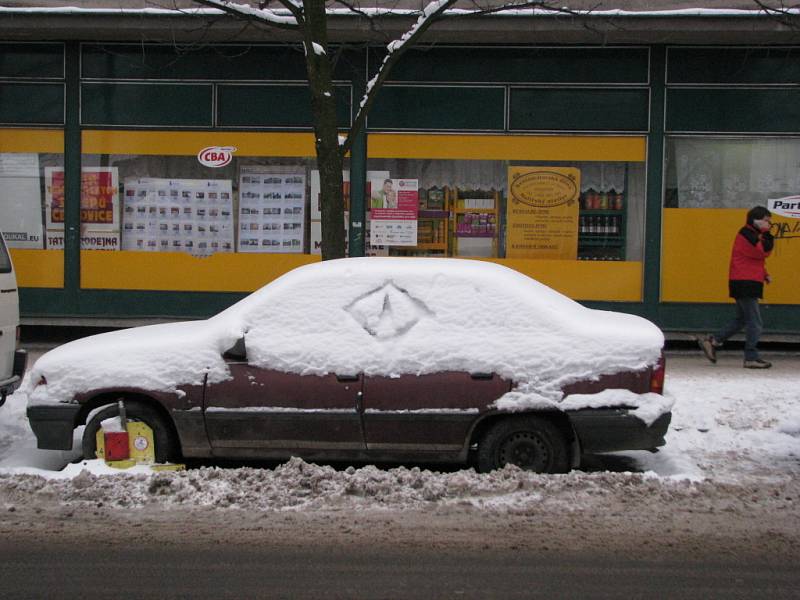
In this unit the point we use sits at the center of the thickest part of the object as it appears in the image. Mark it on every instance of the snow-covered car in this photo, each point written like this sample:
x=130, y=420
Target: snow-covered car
x=374, y=359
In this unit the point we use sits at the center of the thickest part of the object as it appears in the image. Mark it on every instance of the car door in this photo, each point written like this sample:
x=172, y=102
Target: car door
x=262, y=412
x=426, y=413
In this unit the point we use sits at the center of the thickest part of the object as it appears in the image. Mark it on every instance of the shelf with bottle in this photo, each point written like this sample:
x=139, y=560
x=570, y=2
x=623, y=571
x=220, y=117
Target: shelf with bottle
x=602, y=200
x=601, y=226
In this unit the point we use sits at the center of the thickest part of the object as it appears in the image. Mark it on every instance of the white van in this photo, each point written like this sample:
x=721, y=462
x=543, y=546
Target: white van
x=12, y=361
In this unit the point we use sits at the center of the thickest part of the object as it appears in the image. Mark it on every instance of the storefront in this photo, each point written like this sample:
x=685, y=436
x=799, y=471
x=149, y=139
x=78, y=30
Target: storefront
x=615, y=174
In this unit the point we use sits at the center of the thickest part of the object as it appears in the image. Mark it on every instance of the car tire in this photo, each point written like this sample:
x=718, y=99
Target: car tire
x=531, y=443
x=135, y=410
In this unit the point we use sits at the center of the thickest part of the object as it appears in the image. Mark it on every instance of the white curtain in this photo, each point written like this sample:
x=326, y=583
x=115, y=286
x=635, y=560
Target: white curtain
x=737, y=173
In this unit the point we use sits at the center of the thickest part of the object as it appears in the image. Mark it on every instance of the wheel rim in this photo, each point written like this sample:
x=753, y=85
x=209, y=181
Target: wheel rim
x=527, y=450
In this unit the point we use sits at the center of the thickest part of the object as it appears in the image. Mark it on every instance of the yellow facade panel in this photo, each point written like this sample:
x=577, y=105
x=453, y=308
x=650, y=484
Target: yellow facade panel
x=32, y=140
x=509, y=147
x=696, y=250
x=189, y=143
x=181, y=272
x=38, y=268
x=583, y=280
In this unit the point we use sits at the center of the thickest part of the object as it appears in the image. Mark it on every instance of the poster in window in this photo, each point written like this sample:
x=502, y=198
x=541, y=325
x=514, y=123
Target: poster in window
x=271, y=210
x=21, y=200
x=100, y=220
x=178, y=215
x=542, y=212
x=394, y=207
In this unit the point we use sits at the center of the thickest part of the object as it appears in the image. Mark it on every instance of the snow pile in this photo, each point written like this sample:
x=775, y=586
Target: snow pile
x=377, y=316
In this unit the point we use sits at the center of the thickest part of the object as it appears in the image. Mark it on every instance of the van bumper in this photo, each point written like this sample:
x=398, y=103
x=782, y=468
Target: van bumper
x=10, y=384
x=615, y=429
x=53, y=425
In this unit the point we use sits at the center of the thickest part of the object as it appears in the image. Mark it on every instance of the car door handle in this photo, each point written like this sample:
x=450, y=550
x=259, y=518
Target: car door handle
x=481, y=375
x=347, y=378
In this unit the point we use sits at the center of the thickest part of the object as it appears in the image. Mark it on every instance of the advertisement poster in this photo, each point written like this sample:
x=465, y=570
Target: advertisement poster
x=178, y=215
x=316, y=211
x=21, y=200
x=394, y=210
x=788, y=207
x=271, y=210
x=100, y=221
x=542, y=213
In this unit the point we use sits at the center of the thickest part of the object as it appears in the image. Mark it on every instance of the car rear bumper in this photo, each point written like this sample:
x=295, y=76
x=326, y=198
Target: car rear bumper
x=613, y=429
x=53, y=425
x=10, y=384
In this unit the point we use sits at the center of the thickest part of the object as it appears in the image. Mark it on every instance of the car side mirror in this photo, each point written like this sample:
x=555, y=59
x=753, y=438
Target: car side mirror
x=237, y=351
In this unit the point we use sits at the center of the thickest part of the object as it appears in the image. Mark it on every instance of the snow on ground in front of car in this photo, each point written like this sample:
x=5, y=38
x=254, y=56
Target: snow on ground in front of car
x=377, y=316
x=730, y=427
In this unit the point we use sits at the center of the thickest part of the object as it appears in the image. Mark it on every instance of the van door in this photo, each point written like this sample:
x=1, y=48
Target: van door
x=9, y=312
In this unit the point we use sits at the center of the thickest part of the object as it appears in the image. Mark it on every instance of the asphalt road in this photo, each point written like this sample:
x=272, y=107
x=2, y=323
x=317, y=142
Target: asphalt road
x=128, y=569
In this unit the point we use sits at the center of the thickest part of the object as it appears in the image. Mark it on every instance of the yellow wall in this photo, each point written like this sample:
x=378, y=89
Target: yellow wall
x=181, y=272
x=696, y=249
x=584, y=280
x=38, y=268
x=509, y=147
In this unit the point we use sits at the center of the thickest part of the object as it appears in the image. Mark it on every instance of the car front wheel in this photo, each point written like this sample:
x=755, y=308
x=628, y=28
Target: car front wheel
x=165, y=447
x=531, y=443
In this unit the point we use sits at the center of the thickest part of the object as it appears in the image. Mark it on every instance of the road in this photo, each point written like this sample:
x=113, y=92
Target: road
x=123, y=565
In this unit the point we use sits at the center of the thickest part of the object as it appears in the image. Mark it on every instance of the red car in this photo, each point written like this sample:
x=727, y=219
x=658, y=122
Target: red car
x=375, y=359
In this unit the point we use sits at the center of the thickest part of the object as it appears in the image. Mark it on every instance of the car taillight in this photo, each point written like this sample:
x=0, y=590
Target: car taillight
x=657, y=376
x=19, y=329
x=42, y=381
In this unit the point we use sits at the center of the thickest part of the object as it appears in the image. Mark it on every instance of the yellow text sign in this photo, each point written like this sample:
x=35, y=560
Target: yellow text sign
x=542, y=212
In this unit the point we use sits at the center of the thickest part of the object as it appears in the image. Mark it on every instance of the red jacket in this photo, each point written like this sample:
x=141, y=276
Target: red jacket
x=747, y=270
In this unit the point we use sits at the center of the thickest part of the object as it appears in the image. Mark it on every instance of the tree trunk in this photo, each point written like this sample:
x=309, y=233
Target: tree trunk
x=326, y=134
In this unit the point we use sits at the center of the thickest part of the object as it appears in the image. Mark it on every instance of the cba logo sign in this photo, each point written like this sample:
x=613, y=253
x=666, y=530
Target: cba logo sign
x=216, y=156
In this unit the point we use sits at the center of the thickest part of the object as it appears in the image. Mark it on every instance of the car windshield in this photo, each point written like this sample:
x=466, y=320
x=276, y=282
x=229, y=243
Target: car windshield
x=5, y=259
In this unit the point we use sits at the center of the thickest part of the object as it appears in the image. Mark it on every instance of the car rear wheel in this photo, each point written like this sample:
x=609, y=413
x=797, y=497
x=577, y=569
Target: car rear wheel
x=165, y=447
x=531, y=443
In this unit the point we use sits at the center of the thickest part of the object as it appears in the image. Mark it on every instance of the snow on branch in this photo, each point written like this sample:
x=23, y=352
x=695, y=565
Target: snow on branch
x=290, y=21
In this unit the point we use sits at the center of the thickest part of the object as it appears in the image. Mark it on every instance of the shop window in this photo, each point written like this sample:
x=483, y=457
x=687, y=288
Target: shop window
x=28, y=200
x=568, y=210
x=730, y=173
x=223, y=204
x=710, y=183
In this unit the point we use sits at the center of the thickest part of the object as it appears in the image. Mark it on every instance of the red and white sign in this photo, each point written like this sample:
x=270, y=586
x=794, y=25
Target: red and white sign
x=216, y=156
x=394, y=208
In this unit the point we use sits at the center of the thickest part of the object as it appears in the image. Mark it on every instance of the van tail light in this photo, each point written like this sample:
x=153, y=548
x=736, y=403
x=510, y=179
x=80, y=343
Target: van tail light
x=657, y=376
x=19, y=330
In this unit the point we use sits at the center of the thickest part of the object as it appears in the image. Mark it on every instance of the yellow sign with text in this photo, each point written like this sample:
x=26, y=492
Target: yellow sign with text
x=542, y=212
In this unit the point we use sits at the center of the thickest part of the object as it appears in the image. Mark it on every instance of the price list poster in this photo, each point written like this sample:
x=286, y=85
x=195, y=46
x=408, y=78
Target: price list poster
x=271, y=210
x=178, y=215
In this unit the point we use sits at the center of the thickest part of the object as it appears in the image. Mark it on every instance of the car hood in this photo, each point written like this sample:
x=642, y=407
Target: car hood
x=155, y=357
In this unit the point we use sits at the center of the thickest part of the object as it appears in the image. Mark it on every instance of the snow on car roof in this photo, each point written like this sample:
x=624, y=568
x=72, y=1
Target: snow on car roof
x=377, y=315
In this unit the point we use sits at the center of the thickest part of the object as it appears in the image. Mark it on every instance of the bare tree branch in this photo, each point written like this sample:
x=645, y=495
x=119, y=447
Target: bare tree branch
x=259, y=15
x=433, y=12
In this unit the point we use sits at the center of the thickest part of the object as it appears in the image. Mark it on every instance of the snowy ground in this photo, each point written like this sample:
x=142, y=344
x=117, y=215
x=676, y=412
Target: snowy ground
x=733, y=429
